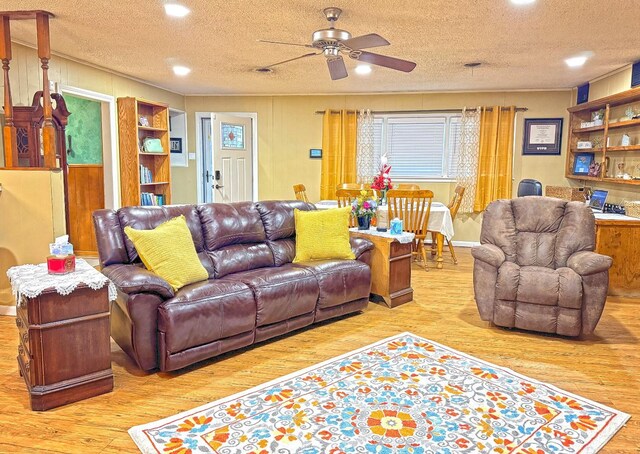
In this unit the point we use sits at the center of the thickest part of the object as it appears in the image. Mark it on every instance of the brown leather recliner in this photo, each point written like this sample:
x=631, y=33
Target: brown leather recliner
x=535, y=268
x=254, y=292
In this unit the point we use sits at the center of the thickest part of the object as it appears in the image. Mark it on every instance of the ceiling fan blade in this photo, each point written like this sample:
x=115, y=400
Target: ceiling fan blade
x=311, y=54
x=365, y=42
x=337, y=68
x=286, y=44
x=382, y=60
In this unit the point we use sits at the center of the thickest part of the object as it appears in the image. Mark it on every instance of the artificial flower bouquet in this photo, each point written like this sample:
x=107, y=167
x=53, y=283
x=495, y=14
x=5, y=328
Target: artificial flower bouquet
x=364, y=205
x=382, y=181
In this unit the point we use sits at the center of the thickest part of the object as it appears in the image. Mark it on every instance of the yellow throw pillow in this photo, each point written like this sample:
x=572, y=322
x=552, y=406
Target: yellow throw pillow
x=322, y=235
x=169, y=252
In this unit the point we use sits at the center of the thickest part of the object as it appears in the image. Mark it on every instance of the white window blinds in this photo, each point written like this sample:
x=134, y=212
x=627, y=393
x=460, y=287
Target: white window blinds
x=418, y=147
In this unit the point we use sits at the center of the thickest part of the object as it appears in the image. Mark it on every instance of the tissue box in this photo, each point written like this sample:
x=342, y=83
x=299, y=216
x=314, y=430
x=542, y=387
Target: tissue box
x=61, y=249
x=396, y=227
x=57, y=264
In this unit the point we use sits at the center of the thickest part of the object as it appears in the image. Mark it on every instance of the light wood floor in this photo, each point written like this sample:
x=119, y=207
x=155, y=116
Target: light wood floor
x=604, y=367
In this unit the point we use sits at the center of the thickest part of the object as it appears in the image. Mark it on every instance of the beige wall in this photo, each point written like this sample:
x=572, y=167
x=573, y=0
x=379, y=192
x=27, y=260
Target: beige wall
x=288, y=127
x=32, y=207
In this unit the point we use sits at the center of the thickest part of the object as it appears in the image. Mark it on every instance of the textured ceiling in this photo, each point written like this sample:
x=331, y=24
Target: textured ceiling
x=520, y=47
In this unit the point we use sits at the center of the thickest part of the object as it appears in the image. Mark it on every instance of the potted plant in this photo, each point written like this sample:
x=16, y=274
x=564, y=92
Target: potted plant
x=364, y=208
x=382, y=181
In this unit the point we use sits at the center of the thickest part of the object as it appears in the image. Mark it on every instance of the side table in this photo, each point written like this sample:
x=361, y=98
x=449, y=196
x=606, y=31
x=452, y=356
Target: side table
x=64, y=350
x=390, y=266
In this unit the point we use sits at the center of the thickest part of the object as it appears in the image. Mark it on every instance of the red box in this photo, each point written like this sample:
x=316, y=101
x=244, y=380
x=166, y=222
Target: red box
x=57, y=264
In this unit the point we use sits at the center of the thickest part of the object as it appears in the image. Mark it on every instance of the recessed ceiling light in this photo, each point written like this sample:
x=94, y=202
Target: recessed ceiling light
x=576, y=62
x=176, y=10
x=522, y=2
x=181, y=70
x=363, y=69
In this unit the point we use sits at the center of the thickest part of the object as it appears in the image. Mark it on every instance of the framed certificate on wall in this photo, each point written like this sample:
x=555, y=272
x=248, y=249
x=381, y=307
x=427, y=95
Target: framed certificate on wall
x=542, y=136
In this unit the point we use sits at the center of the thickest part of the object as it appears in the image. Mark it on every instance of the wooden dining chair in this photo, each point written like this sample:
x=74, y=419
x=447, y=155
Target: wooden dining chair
x=409, y=186
x=301, y=192
x=453, y=206
x=413, y=207
x=346, y=197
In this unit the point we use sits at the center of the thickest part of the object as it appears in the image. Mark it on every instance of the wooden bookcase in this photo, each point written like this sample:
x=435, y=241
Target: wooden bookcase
x=132, y=156
x=615, y=124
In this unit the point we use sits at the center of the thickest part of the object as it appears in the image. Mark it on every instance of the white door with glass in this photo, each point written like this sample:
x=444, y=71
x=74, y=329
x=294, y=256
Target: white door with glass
x=232, y=179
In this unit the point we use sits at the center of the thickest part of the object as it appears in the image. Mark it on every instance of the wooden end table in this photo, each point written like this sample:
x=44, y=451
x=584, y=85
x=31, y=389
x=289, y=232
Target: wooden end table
x=390, y=266
x=64, y=349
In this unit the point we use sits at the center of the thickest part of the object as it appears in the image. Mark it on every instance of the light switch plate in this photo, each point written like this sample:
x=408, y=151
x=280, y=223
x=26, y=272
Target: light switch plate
x=192, y=156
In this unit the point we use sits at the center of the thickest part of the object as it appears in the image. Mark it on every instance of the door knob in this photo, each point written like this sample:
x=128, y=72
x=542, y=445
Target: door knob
x=217, y=186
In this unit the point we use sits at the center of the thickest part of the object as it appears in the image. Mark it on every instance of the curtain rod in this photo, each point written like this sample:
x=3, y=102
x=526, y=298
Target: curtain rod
x=388, y=112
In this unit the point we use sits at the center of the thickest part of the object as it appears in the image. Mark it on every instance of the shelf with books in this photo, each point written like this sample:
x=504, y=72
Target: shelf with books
x=616, y=140
x=142, y=172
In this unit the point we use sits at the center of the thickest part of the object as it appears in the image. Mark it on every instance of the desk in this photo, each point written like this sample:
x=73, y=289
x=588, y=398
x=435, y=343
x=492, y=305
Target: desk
x=618, y=236
x=440, y=222
x=390, y=266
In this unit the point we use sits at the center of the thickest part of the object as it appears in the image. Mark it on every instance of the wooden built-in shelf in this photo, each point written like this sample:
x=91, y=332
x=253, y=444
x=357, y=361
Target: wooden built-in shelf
x=584, y=112
x=157, y=114
x=151, y=128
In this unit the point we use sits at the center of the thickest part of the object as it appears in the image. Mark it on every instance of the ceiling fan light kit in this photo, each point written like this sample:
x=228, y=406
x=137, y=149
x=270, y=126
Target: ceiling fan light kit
x=333, y=43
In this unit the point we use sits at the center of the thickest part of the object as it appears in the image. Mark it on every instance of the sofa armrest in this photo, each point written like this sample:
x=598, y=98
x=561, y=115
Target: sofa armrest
x=586, y=263
x=360, y=245
x=489, y=254
x=132, y=279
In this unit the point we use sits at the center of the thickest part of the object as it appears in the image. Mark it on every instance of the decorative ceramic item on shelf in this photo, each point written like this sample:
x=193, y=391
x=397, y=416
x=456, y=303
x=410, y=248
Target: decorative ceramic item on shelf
x=620, y=170
x=364, y=208
x=598, y=117
x=630, y=112
x=626, y=140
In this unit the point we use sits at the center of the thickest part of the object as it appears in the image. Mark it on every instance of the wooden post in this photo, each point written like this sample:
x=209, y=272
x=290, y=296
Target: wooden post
x=9, y=131
x=44, y=54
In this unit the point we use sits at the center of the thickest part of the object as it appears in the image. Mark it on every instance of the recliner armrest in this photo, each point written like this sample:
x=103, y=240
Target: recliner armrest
x=490, y=254
x=132, y=279
x=586, y=262
x=360, y=245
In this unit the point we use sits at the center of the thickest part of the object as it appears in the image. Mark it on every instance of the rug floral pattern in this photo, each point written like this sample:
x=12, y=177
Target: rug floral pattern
x=402, y=395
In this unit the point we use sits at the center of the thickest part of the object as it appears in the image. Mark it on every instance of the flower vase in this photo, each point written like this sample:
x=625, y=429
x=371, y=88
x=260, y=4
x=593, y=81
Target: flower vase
x=364, y=222
x=383, y=197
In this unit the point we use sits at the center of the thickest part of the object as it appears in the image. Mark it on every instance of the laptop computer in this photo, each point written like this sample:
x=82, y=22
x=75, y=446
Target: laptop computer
x=598, y=199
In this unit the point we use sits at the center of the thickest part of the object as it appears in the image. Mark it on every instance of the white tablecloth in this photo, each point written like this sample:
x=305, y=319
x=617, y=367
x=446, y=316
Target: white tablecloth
x=439, y=218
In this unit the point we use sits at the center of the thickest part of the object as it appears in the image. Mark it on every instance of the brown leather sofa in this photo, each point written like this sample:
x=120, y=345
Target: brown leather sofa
x=535, y=268
x=254, y=292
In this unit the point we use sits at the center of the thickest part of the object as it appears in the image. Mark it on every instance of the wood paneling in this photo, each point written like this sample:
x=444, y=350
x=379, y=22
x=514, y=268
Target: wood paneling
x=604, y=367
x=86, y=194
x=621, y=241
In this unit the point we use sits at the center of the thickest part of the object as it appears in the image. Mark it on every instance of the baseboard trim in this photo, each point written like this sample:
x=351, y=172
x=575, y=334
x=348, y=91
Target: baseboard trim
x=460, y=243
x=8, y=310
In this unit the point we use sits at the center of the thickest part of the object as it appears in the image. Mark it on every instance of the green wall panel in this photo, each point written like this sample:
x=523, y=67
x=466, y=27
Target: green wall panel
x=85, y=130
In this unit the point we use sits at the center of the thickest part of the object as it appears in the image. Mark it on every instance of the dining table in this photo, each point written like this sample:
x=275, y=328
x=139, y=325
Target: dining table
x=440, y=223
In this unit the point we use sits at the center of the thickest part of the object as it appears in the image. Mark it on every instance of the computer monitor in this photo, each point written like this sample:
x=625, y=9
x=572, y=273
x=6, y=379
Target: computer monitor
x=598, y=199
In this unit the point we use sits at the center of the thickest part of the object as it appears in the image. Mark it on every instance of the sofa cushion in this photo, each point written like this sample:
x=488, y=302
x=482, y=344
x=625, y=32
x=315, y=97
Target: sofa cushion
x=539, y=285
x=280, y=293
x=234, y=237
x=168, y=251
x=340, y=281
x=323, y=235
x=277, y=217
x=205, y=312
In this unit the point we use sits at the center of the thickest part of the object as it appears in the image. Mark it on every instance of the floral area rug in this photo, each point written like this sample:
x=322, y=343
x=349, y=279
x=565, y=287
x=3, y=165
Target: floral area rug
x=404, y=394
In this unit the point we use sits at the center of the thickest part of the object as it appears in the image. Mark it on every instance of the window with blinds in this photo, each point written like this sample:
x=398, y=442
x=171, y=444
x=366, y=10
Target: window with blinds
x=418, y=147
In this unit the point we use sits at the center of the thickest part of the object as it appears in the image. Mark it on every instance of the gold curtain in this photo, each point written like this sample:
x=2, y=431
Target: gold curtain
x=495, y=160
x=339, y=132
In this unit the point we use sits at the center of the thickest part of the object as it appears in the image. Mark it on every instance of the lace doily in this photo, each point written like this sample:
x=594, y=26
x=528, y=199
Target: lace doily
x=32, y=280
x=404, y=237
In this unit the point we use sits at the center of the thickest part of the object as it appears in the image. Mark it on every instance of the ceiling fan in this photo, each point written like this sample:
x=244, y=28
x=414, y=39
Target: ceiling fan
x=333, y=42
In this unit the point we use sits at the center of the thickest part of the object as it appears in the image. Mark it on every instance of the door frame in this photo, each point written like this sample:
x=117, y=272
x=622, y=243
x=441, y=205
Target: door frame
x=254, y=150
x=114, y=197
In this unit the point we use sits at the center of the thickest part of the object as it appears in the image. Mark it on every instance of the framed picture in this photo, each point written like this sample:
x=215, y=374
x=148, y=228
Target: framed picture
x=175, y=145
x=315, y=153
x=582, y=163
x=542, y=136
